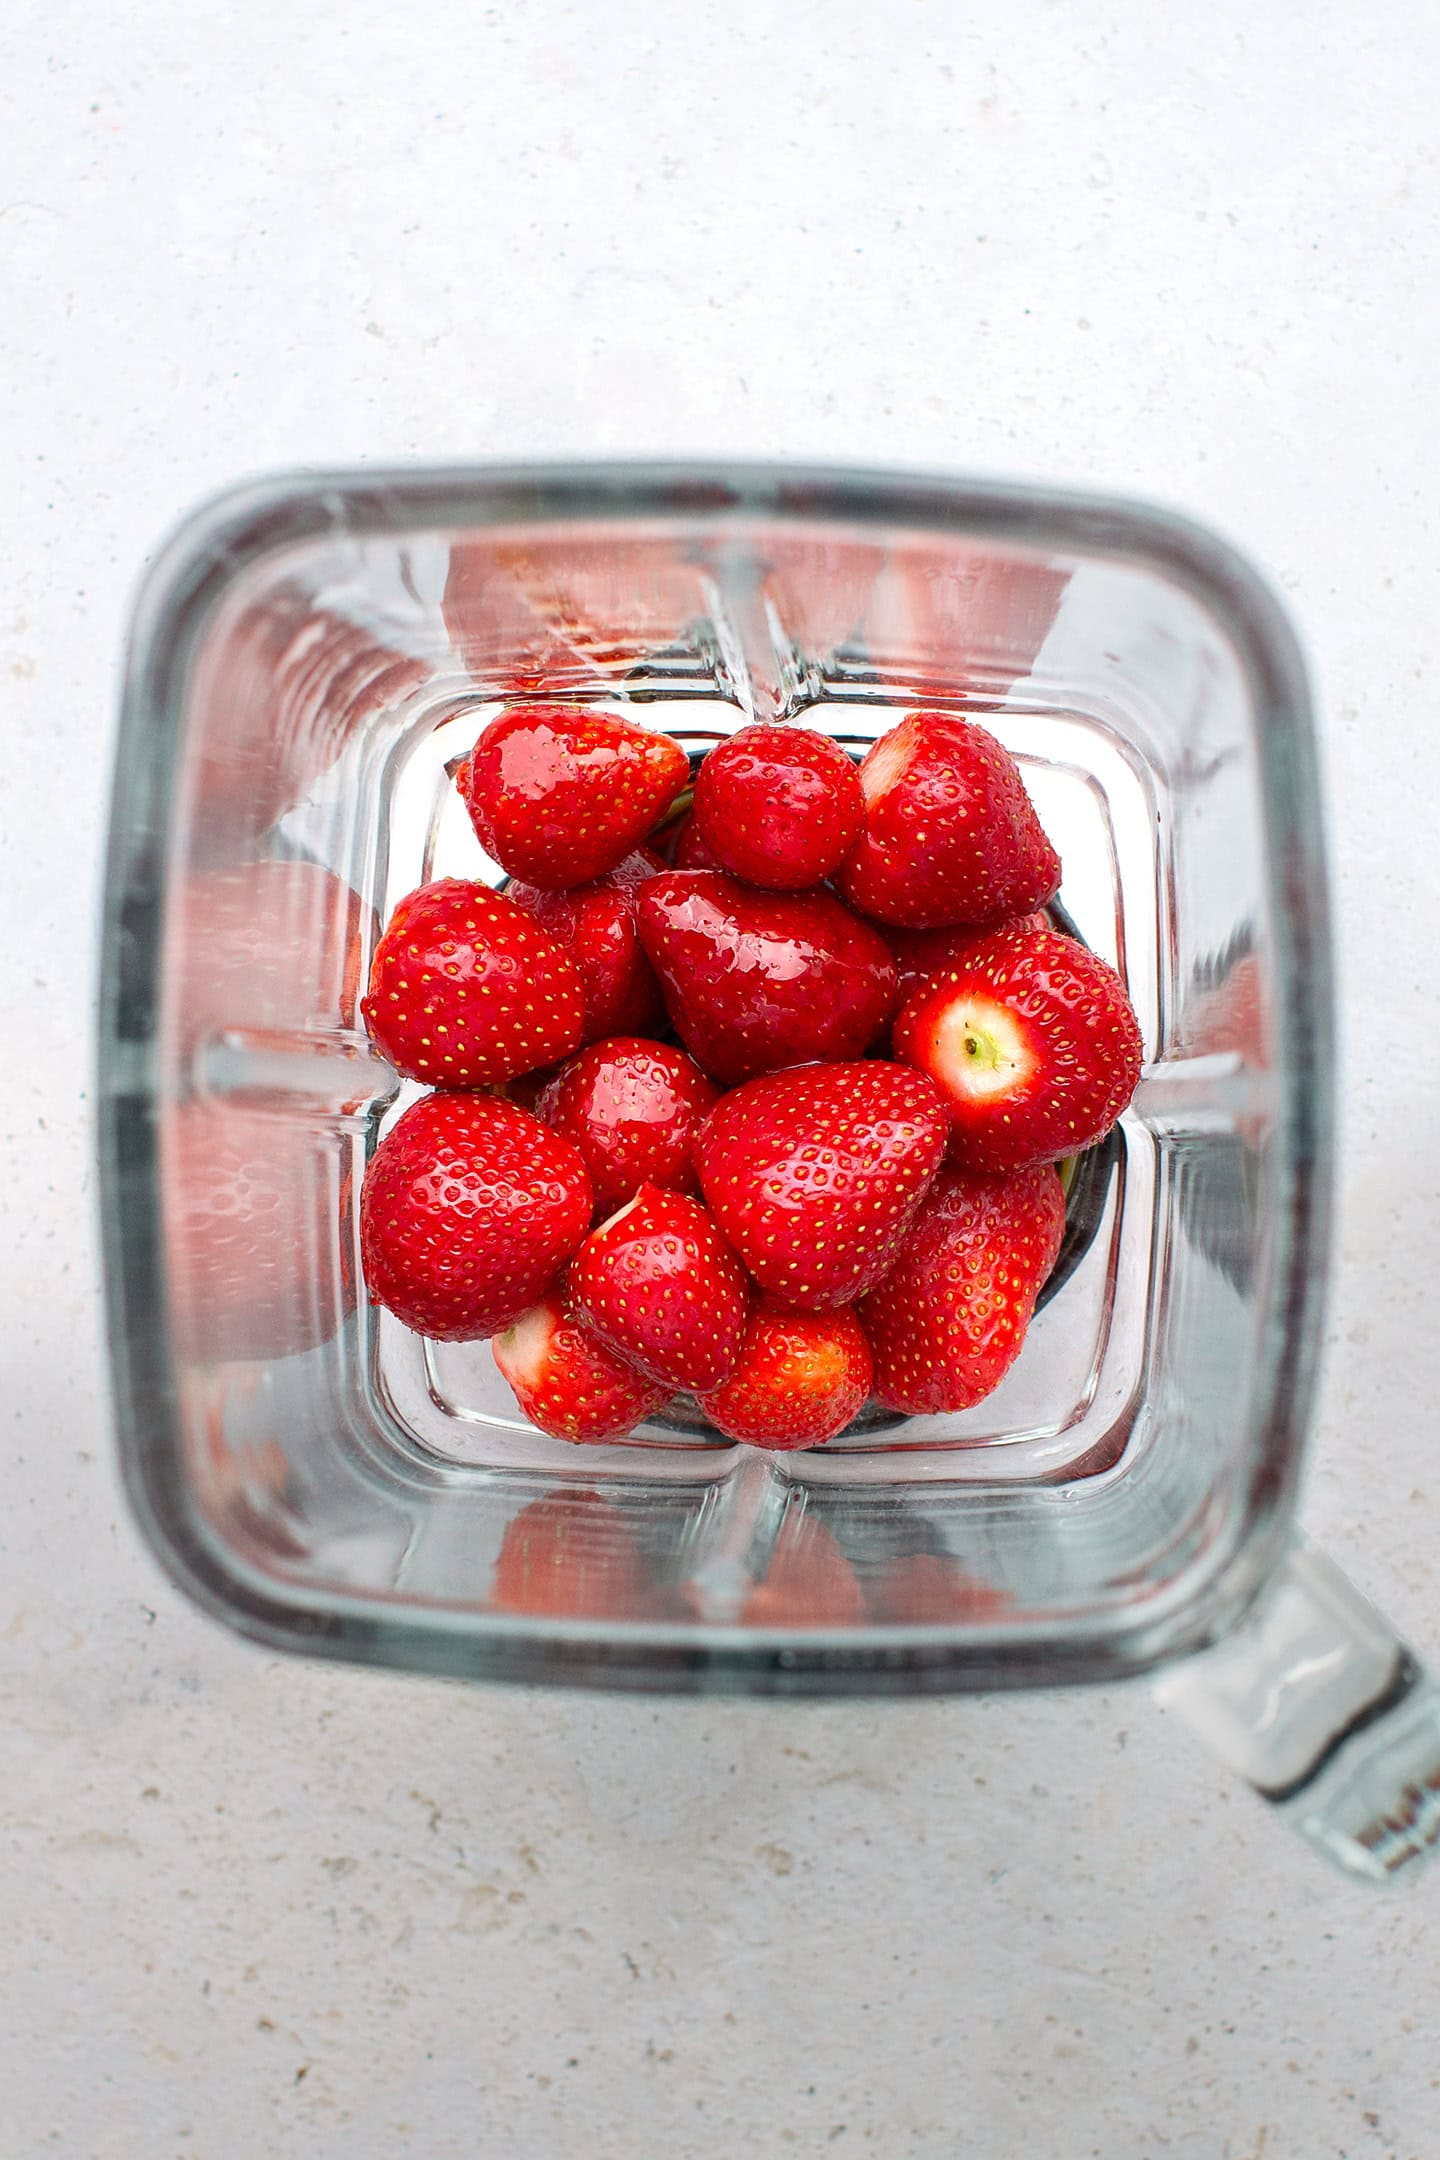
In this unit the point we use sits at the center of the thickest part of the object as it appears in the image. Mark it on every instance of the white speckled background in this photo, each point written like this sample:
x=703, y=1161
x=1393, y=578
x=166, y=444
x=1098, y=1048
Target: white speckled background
x=257, y=1909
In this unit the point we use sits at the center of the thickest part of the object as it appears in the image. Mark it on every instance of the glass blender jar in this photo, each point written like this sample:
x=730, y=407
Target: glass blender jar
x=310, y=659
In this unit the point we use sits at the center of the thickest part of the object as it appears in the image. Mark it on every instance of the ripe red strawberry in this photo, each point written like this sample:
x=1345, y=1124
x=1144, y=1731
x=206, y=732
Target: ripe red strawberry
x=632, y=1108
x=779, y=805
x=558, y=795
x=922, y=955
x=566, y=1381
x=469, y=1207
x=595, y=924
x=815, y=1175
x=572, y=1556
x=659, y=1285
x=799, y=1379
x=950, y=834
x=947, y=1323
x=1034, y=1045
x=466, y=989
x=755, y=981
x=685, y=847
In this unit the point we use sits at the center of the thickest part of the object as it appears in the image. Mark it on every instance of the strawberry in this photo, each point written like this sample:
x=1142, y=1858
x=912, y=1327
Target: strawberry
x=469, y=1207
x=559, y=796
x=595, y=924
x=466, y=989
x=946, y=1324
x=632, y=1108
x=566, y=1381
x=686, y=848
x=779, y=805
x=799, y=1379
x=921, y=955
x=755, y=981
x=659, y=1285
x=1034, y=1045
x=815, y=1175
x=572, y=1556
x=950, y=834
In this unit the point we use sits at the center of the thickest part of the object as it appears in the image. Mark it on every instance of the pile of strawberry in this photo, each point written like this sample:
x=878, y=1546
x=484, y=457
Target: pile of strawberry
x=840, y=1183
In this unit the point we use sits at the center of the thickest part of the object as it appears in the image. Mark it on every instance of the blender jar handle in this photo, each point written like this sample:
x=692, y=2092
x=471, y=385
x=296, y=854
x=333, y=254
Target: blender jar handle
x=1320, y=1706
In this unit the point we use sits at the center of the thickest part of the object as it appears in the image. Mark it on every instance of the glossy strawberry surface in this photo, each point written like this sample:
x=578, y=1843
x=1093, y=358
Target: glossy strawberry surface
x=467, y=990
x=949, y=1319
x=632, y=1108
x=659, y=1284
x=686, y=848
x=799, y=1379
x=469, y=1207
x=567, y=1382
x=559, y=795
x=815, y=1175
x=951, y=836
x=1033, y=1043
x=921, y=956
x=779, y=805
x=595, y=925
x=756, y=981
